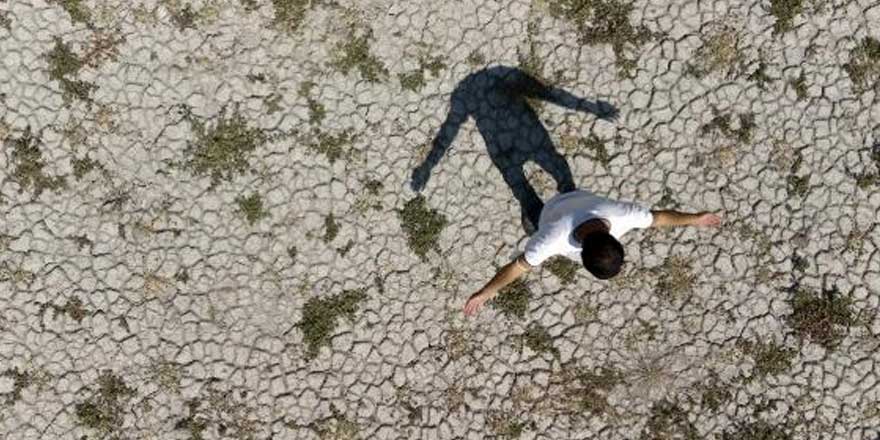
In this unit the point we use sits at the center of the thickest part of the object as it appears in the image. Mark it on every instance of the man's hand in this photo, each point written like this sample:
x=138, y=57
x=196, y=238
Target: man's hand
x=707, y=219
x=476, y=302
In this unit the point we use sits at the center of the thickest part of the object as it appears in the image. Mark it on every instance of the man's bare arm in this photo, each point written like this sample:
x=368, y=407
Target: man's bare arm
x=675, y=218
x=506, y=275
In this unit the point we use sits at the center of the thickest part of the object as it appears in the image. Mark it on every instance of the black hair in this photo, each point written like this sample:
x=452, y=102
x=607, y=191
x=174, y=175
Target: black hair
x=602, y=255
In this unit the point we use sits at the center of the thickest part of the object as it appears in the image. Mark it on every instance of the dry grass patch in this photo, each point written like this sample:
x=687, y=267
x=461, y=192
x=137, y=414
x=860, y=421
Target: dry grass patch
x=720, y=52
x=822, y=318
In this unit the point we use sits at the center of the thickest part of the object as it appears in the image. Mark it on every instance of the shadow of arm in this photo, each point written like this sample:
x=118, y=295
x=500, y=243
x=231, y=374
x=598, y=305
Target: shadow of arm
x=531, y=87
x=441, y=143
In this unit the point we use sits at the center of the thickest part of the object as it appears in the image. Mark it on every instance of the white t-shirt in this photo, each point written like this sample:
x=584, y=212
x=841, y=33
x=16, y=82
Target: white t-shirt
x=565, y=212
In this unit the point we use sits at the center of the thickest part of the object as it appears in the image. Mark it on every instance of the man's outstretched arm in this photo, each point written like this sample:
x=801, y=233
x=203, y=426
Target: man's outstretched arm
x=675, y=218
x=505, y=276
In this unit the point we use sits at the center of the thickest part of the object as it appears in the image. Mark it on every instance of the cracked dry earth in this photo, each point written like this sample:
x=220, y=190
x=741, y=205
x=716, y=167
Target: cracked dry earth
x=208, y=230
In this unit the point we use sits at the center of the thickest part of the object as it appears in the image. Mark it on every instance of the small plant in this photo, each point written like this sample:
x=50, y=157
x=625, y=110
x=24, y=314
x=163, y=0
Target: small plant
x=586, y=390
x=669, y=421
x=333, y=146
x=320, y=316
x=337, y=427
x=863, y=67
x=760, y=77
x=604, y=22
x=28, y=165
x=720, y=52
x=290, y=14
x=331, y=228
x=821, y=318
x=677, y=278
x=714, y=394
x=422, y=225
x=414, y=80
x=756, y=430
x=105, y=410
x=226, y=410
x=73, y=308
x=182, y=17
x=83, y=166
x=797, y=186
x=513, y=300
x=799, y=85
x=771, y=358
x=252, y=208
x=597, y=147
x=476, y=58
x=78, y=12
x=506, y=425
x=563, y=268
x=317, y=112
x=221, y=151
x=20, y=381
x=354, y=53
x=64, y=65
x=721, y=123
x=785, y=11
x=538, y=339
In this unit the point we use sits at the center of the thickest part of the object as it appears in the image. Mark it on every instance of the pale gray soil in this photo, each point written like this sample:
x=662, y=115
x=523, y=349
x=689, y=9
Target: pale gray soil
x=148, y=295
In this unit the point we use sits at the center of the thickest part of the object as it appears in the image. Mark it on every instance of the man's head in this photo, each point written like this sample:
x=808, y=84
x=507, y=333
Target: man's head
x=602, y=254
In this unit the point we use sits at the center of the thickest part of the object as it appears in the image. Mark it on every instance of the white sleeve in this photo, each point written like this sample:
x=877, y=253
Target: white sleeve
x=539, y=247
x=637, y=216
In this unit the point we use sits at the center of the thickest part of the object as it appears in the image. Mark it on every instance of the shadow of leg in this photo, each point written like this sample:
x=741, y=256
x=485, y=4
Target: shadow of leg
x=555, y=164
x=530, y=204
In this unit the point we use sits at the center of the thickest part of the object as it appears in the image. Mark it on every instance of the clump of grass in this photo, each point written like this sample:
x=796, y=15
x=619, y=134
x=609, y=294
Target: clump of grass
x=64, y=65
x=83, y=166
x=105, y=410
x=797, y=186
x=373, y=187
x=20, y=381
x=225, y=410
x=721, y=123
x=167, y=376
x=506, y=425
x=714, y=393
x=771, y=358
x=184, y=18
x=292, y=252
x=422, y=225
x=604, y=22
x=290, y=14
x=760, y=77
x=251, y=207
x=73, y=308
x=513, y=300
x=668, y=421
x=756, y=430
x=799, y=85
x=337, y=427
x=221, y=151
x=476, y=58
x=317, y=112
x=331, y=228
x=320, y=316
x=5, y=21
x=194, y=423
x=354, y=53
x=785, y=11
x=823, y=318
x=563, y=268
x=538, y=339
x=413, y=80
x=79, y=13
x=28, y=165
x=587, y=389
x=597, y=146
x=863, y=67
x=720, y=52
x=677, y=278
x=333, y=146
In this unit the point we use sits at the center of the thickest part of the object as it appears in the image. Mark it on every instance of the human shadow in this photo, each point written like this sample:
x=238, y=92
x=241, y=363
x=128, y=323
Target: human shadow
x=497, y=99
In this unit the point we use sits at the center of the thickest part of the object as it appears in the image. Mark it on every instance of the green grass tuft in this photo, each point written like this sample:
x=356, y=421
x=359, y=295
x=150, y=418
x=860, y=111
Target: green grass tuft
x=563, y=268
x=290, y=14
x=797, y=186
x=506, y=425
x=604, y=22
x=676, y=278
x=771, y=358
x=79, y=13
x=317, y=112
x=785, y=11
x=538, y=339
x=756, y=430
x=333, y=146
x=799, y=85
x=105, y=410
x=722, y=123
x=422, y=225
x=513, y=300
x=863, y=67
x=823, y=318
x=587, y=389
x=251, y=207
x=760, y=77
x=64, y=65
x=669, y=421
x=28, y=165
x=354, y=53
x=83, y=166
x=331, y=228
x=221, y=151
x=320, y=316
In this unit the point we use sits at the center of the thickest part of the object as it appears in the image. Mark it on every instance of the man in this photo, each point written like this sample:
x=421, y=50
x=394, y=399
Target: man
x=586, y=227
